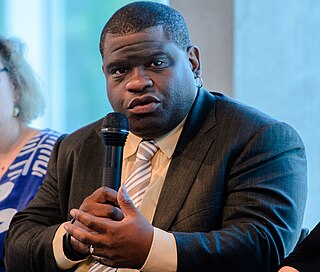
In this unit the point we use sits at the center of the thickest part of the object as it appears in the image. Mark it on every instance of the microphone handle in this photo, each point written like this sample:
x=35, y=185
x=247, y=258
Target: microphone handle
x=112, y=167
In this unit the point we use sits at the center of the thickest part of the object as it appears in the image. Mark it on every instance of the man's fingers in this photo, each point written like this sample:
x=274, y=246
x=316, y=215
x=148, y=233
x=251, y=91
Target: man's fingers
x=103, y=195
x=79, y=247
x=103, y=203
x=94, y=223
x=83, y=238
x=106, y=210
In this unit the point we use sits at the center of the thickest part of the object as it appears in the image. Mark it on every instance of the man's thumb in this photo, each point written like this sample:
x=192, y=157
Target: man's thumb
x=125, y=203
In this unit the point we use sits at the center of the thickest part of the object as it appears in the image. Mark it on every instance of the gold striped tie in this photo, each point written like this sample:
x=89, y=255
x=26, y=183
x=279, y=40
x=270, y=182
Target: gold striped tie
x=136, y=183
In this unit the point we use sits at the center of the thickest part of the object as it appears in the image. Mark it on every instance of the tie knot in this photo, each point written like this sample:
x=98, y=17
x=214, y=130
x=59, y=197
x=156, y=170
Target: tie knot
x=146, y=150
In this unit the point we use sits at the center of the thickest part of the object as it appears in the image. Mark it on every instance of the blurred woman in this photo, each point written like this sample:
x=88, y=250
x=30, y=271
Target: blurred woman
x=24, y=151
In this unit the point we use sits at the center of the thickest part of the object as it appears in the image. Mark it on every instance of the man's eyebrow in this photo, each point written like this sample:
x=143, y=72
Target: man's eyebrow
x=158, y=53
x=130, y=59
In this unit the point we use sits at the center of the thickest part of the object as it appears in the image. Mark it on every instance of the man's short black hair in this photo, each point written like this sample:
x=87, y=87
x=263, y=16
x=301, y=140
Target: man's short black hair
x=138, y=16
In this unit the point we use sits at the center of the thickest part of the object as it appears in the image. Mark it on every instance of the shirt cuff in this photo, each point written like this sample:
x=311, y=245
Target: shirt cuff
x=57, y=244
x=163, y=253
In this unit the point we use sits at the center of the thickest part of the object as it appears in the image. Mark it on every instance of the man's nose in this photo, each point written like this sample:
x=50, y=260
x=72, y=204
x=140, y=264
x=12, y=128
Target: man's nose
x=138, y=80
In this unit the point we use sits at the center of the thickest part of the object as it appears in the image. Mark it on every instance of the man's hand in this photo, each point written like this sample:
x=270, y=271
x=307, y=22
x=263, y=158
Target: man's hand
x=124, y=243
x=101, y=203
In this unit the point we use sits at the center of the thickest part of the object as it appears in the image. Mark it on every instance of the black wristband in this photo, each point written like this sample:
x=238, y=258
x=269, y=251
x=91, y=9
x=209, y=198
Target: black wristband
x=68, y=250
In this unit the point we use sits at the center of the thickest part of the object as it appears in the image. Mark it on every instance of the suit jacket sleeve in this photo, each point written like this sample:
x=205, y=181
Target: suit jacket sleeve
x=261, y=205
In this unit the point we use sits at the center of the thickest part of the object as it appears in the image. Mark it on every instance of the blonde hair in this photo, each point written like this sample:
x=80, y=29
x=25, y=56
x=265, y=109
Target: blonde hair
x=28, y=89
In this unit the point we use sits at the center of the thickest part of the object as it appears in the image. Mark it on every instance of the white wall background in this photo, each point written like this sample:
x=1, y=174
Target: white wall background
x=277, y=69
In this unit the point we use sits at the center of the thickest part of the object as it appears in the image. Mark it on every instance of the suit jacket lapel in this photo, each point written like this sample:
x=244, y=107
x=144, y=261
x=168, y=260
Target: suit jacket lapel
x=191, y=149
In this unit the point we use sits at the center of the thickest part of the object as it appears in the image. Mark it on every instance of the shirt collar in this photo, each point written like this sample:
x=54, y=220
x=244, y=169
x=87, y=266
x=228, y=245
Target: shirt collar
x=167, y=143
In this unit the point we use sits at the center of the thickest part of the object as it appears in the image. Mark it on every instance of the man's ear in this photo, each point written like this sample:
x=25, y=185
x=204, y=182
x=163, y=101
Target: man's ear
x=194, y=59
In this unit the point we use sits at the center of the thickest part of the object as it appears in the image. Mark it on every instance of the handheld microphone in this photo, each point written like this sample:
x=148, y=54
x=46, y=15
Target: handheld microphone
x=115, y=129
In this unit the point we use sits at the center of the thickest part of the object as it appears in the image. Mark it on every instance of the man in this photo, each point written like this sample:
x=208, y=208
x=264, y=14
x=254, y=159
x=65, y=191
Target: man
x=228, y=183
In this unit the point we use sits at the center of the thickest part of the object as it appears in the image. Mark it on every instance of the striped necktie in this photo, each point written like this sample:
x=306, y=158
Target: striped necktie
x=136, y=183
x=139, y=179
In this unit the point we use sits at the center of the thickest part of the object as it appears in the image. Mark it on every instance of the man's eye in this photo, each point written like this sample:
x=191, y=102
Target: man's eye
x=156, y=63
x=119, y=71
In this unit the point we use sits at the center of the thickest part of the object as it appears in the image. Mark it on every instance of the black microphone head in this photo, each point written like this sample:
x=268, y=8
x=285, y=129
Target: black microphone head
x=115, y=129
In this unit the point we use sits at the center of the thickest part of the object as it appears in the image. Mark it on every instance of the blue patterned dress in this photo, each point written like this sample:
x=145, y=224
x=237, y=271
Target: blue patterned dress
x=23, y=178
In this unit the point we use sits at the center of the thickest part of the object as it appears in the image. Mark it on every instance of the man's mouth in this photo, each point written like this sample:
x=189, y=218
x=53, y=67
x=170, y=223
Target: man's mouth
x=144, y=104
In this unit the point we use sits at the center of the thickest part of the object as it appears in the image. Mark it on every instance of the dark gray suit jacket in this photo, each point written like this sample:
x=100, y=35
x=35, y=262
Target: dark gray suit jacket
x=234, y=195
x=306, y=256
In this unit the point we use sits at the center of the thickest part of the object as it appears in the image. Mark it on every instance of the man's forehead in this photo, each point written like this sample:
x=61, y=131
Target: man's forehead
x=114, y=42
x=151, y=29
